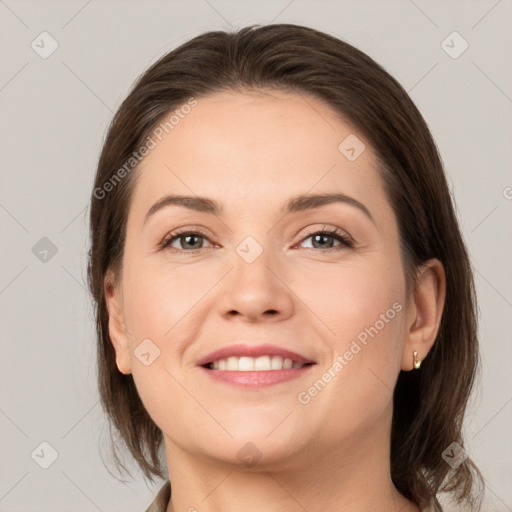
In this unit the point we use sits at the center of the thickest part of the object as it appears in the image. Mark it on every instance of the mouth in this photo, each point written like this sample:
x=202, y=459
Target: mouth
x=254, y=366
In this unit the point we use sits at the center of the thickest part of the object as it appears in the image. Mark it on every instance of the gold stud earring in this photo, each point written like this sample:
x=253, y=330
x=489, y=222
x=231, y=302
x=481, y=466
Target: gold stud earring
x=417, y=362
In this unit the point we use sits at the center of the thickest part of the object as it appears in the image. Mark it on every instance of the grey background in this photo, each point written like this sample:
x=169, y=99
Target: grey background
x=55, y=112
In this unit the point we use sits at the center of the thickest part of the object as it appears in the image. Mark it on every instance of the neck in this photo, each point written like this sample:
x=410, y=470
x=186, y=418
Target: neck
x=354, y=475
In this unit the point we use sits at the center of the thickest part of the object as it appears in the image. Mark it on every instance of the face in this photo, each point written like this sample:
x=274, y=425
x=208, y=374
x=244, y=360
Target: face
x=324, y=282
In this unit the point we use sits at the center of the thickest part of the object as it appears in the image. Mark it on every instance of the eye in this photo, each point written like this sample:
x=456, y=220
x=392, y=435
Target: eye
x=189, y=240
x=320, y=239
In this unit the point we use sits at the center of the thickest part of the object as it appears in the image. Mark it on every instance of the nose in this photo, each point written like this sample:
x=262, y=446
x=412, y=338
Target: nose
x=257, y=291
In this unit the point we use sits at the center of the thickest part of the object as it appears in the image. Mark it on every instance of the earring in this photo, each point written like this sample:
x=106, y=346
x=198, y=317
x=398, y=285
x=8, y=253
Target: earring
x=417, y=362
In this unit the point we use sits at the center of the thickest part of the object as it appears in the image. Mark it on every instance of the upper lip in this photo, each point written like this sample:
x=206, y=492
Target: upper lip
x=248, y=350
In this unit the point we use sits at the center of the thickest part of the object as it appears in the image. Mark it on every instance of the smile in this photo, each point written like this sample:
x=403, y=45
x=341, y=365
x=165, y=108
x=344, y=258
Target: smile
x=258, y=364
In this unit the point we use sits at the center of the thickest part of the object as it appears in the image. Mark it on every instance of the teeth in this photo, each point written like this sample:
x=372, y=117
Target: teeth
x=259, y=364
x=246, y=364
x=276, y=363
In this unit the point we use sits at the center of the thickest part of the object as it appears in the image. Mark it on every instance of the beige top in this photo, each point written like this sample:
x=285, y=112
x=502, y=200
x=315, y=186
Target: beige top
x=164, y=495
x=162, y=499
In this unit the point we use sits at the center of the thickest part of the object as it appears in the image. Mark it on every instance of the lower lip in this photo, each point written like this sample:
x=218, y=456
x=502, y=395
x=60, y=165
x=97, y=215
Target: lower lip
x=252, y=379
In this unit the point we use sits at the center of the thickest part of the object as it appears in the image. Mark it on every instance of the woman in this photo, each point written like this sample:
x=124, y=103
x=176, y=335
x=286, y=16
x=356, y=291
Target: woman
x=285, y=303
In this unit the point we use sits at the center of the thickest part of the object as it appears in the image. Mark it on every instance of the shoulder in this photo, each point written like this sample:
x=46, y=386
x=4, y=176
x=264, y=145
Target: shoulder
x=161, y=500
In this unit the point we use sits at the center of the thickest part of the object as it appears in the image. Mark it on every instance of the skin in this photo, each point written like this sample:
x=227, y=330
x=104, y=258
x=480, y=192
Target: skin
x=251, y=152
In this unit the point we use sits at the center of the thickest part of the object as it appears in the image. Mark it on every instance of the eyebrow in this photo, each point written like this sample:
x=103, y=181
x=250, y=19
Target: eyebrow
x=295, y=204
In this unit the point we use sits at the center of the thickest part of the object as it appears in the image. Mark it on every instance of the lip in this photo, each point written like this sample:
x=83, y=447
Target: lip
x=253, y=379
x=244, y=349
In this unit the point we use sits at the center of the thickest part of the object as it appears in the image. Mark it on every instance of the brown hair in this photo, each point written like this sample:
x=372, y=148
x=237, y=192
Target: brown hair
x=429, y=403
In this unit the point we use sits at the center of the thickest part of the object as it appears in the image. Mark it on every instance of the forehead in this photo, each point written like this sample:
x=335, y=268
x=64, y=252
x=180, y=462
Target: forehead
x=255, y=148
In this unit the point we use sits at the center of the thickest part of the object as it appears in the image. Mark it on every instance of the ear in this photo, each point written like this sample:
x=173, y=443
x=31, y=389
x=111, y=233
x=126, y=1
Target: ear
x=424, y=312
x=116, y=327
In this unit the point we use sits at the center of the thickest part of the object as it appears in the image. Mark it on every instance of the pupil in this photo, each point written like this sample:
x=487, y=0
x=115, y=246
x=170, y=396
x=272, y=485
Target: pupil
x=187, y=237
x=321, y=237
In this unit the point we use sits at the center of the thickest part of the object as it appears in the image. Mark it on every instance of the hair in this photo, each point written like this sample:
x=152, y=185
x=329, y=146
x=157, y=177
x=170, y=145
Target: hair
x=429, y=403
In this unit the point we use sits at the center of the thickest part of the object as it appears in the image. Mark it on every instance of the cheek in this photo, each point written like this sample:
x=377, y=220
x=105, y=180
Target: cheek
x=359, y=312
x=158, y=307
x=165, y=308
x=362, y=327
x=159, y=299
x=345, y=301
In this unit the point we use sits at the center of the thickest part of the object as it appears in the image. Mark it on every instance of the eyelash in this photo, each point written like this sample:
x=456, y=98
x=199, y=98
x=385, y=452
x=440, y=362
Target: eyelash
x=334, y=233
